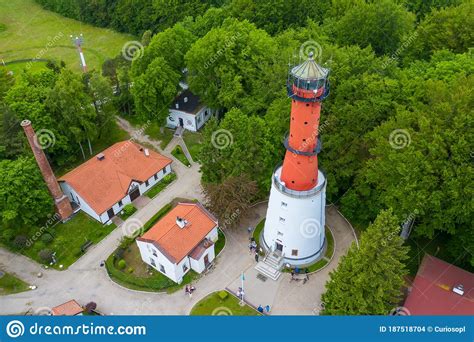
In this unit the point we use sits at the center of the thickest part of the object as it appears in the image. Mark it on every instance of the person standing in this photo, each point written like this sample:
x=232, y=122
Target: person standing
x=256, y=257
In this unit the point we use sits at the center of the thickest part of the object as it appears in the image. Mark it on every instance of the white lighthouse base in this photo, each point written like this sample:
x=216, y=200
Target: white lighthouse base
x=295, y=221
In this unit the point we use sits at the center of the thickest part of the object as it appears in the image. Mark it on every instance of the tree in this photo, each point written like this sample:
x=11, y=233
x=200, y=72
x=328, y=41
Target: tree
x=154, y=90
x=73, y=109
x=171, y=45
x=369, y=279
x=100, y=91
x=421, y=159
x=235, y=66
x=230, y=199
x=381, y=24
x=238, y=145
x=6, y=82
x=449, y=28
x=24, y=197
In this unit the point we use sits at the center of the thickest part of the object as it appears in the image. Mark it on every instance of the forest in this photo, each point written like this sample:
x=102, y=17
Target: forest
x=396, y=129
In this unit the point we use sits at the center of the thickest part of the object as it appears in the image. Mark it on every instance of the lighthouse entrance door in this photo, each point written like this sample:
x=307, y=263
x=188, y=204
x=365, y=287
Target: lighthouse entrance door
x=278, y=247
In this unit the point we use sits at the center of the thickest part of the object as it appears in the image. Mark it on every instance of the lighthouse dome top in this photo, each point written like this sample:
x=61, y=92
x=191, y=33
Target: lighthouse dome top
x=310, y=70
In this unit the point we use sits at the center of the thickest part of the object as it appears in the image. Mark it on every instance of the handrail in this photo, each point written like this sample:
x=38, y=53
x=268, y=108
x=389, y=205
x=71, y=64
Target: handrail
x=296, y=193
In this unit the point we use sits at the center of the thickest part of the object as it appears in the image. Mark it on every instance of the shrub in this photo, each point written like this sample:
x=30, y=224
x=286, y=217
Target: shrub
x=122, y=264
x=91, y=306
x=130, y=270
x=47, y=238
x=129, y=209
x=20, y=241
x=46, y=255
x=8, y=234
x=223, y=294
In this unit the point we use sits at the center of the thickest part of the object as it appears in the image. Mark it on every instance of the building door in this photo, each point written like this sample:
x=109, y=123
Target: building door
x=181, y=122
x=134, y=194
x=206, y=260
x=278, y=247
x=110, y=212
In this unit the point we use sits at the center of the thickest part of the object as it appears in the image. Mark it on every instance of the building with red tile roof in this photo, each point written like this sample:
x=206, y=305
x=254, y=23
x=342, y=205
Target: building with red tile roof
x=71, y=308
x=104, y=184
x=441, y=288
x=182, y=240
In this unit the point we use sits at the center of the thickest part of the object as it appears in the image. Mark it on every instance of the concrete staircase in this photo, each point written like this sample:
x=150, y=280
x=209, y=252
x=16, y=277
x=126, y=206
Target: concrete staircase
x=271, y=265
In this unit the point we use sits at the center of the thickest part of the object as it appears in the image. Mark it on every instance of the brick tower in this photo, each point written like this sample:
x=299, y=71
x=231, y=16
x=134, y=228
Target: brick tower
x=63, y=206
x=294, y=227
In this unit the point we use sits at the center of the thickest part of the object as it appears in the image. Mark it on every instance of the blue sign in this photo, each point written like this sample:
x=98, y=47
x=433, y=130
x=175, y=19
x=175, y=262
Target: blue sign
x=233, y=328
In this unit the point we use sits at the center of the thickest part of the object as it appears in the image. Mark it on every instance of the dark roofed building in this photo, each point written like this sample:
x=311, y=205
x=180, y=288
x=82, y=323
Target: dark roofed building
x=188, y=112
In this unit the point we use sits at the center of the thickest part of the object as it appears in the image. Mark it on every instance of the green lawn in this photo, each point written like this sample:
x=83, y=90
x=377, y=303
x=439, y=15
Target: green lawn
x=161, y=134
x=214, y=305
x=68, y=239
x=29, y=31
x=179, y=154
x=257, y=231
x=155, y=190
x=10, y=284
x=220, y=243
x=193, y=142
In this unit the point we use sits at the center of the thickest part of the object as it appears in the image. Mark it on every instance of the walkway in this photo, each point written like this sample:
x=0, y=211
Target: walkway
x=86, y=281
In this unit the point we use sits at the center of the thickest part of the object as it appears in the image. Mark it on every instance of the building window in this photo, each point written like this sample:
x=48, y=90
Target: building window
x=120, y=203
x=282, y=220
x=155, y=176
x=294, y=252
x=154, y=253
x=171, y=118
x=284, y=205
x=147, y=183
x=185, y=268
x=206, y=113
x=162, y=268
x=198, y=119
x=152, y=262
x=279, y=233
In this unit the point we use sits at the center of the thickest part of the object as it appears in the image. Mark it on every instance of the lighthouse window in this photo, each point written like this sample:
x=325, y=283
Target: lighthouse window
x=294, y=252
x=284, y=205
x=307, y=105
x=282, y=220
x=306, y=122
x=304, y=140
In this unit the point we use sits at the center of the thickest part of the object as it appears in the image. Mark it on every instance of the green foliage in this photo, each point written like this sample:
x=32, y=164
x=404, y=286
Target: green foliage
x=129, y=209
x=223, y=294
x=179, y=154
x=162, y=184
x=20, y=241
x=46, y=255
x=449, y=28
x=24, y=198
x=154, y=90
x=381, y=24
x=368, y=280
x=47, y=238
x=233, y=65
x=122, y=264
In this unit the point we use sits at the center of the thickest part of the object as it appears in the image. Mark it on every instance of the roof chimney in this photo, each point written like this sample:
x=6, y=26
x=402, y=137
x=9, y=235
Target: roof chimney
x=181, y=222
x=63, y=207
x=147, y=152
x=459, y=289
x=101, y=156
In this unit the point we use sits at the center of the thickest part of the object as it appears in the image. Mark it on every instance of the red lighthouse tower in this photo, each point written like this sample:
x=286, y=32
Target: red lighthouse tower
x=308, y=86
x=294, y=227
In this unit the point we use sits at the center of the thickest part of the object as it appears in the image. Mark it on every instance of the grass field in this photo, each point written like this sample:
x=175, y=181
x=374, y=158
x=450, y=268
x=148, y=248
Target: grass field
x=68, y=239
x=227, y=305
x=29, y=31
x=179, y=154
x=193, y=142
x=10, y=284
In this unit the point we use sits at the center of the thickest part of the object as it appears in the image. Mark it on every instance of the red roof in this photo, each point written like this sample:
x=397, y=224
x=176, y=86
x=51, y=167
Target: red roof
x=102, y=183
x=71, y=308
x=432, y=291
x=175, y=242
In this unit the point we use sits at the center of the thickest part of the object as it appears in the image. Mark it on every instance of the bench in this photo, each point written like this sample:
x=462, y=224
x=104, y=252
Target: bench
x=86, y=245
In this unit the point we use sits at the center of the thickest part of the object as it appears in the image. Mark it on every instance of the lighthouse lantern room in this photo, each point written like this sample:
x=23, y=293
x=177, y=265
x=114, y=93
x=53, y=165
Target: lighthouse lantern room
x=295, y=221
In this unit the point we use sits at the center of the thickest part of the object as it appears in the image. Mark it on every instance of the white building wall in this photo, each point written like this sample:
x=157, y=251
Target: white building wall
x=147, y=251
x=74, y=196
x=298, y=225
x=191, y=122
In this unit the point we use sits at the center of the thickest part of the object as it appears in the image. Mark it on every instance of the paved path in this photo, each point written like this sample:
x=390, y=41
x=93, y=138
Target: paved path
x=86, y=281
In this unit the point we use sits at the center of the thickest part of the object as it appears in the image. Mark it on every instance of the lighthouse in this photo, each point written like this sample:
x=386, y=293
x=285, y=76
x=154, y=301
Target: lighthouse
x=294, y=227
